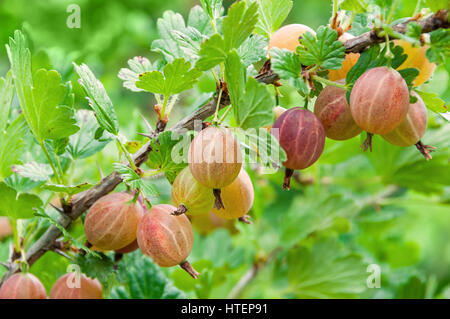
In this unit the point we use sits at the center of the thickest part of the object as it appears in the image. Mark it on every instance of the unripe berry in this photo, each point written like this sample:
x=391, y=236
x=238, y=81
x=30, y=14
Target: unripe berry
x=333, y=111
x=196, y=198
x=379, y=100
x=22, y=286
x=413, y=127
x=215, y=158
x=166, y=238
x=416, y=59
x=349, y=61
x=112, y=221
x=287, y=37
x=5, y=228
x=238, y=197
x=71, y=287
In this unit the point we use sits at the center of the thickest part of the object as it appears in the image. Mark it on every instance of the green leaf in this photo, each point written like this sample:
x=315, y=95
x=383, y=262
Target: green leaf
x=414, y=288
x=322, y=50
x=288, y=66
x=17, y=207
x=189, y=42
x=439, y=50
x=409, y=75
x=12, y=145
x=139, y=284
x=253, y=50
x=167, y=45
x=35, y=171
x=239, y=24
x=176, y=78
x=67, y=236
x=40, y=96
x=169, y=154
x=132, y=179
x=98, y=99
x=433, y=102
x=235, y=78
x=324, y=271
x=67, y=189
x=255, y=106
x=356, y=6
x=199, y=20
x=212, y=7
x=6, y=96
x=84, y=144
x=212, y=52
x=137, y=65
x=271, y=15
x=97, y=266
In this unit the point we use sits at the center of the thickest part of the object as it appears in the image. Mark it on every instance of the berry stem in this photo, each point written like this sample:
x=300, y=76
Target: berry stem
x=245, y=219
x=180, y=210
x=218, y=204
x=425, y=150
x=189, y=269
x=328, y=82
x=287, y=178
x=367, y=143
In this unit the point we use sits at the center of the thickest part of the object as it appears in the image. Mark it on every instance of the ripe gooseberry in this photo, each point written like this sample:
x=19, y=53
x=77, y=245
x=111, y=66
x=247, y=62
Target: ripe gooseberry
x=416, y=59
x=238, y=198
x=349, y=61
x=190, y=196
x=207, y=223
x=166, y=238
x=128, y=249
x=69, y=286
x=379, y=101
x=302, y=136
x=215, y=159
x=22, y=286
x=333, y=111
x=412, y=128
x=112, y=221
x=287, y=37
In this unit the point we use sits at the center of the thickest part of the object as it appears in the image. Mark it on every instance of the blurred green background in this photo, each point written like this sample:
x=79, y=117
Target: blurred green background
x=352, y=209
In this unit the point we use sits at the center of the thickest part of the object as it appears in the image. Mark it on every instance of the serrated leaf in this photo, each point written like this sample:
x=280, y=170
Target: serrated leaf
x=255, y=106
x=67, y=189
x=439, y=50
x=132, y=179
x=41, y=95
x=176, y=78
x=98, y=266
x=168, y=154
x=98, y=99
x=17, y=207
x=189, y=42
x=433, y=102
x=253, y=49
x=212, y=52
x=167, y=45
x=35, y=171
x=199, y=20
x=322, y=50
x=356, y=6
x=341, y=276
x=6, y=96
x=137, y=65
x=212, y=7
x=138, y=284
x=11, y=145
x=239, y=24
x=84, y=143
x=288, y=66
x=235, y=76
x=409, y=75
x=271, y=15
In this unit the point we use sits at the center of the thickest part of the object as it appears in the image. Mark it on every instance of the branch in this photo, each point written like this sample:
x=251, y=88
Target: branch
x=360, y=43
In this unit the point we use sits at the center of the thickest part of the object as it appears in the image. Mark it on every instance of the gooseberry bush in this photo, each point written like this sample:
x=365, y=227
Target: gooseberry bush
x=185, y=209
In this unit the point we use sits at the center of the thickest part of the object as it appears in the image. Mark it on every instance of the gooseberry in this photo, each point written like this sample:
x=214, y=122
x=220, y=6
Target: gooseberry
x=22, y=286
x=71, y=286
x=349, y=61
x=287, y=37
